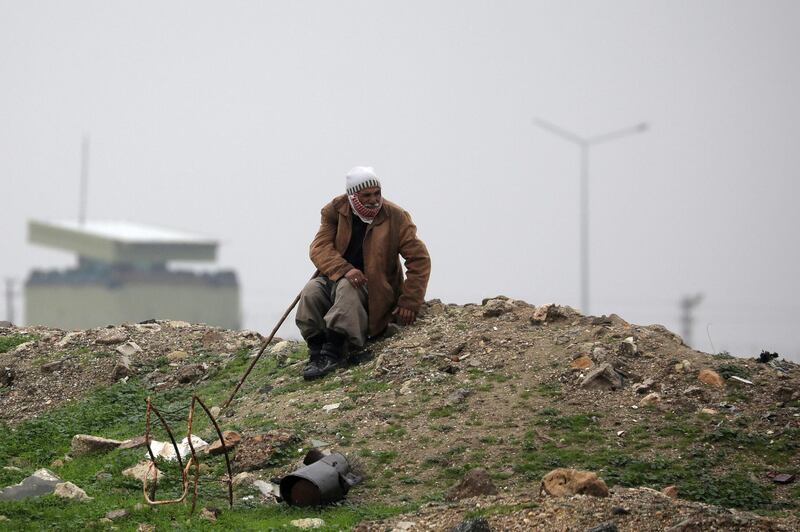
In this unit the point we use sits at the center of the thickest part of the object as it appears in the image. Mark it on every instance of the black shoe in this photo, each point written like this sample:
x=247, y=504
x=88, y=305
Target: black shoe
x=315, y=344
x=321, y=366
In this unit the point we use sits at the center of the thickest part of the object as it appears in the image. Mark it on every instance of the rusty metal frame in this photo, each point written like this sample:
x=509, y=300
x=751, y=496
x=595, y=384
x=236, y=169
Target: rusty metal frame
x=193, y=460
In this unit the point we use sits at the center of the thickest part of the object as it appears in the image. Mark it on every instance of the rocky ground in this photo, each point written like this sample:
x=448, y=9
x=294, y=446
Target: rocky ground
x=505, y=386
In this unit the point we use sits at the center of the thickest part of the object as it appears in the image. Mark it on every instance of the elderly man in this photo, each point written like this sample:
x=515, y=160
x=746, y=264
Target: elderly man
x=360, y=289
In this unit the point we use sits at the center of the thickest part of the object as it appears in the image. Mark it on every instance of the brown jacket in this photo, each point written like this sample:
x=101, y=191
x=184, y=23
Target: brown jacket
x=391, y=234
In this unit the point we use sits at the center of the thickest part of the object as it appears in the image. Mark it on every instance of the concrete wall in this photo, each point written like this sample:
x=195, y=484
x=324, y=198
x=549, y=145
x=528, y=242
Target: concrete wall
x=85, y=306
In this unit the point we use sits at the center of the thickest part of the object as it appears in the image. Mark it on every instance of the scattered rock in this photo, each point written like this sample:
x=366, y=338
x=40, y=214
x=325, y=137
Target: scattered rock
x=475, y=482
x=177, y=356
x=280, y=347
x=493, y=308
x=604, y=377
x=709, y=411
x=7, y=375
x=694, y=391
x=50, y=367
x=178, y=324
x=402, y=526
x=310, y=522
x=711, y=377
x=564, y=482
x=331, y=407
x=83, y=444
x=41, y=482
x=128, y=349
x=407, y=387
x=628, y=348
x=208, y=515
x=117, y=514
x=582, y=362
x=58, y=462
x=650, y=399
x=69, y=338
x=479, y=524
x=190, y=373
x=546, y=313
x=112, y=336
x=671, y=492
x=644, y=386
x=215, y=410
x=68, y=490
x=243, y=479
x=122, y=369
x=231, y=439
x=146, y=527
x=458, y=396
x=134, y=443
x=682, y=367
x=142, y=470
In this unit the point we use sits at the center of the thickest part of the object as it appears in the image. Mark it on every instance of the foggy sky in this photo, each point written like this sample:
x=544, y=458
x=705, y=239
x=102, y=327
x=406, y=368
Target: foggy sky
x=238, y=120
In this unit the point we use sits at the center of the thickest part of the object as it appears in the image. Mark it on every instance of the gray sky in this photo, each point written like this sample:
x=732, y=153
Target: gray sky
x=239, y=120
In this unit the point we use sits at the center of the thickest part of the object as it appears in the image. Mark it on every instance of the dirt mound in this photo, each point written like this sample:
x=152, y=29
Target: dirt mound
x=509, y=387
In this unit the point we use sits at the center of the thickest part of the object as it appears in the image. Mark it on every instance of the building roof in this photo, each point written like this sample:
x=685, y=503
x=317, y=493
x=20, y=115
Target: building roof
x=121, y=241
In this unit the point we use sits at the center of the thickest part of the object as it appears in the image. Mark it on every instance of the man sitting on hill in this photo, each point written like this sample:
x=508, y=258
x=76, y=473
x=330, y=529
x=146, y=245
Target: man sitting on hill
x=360, y=288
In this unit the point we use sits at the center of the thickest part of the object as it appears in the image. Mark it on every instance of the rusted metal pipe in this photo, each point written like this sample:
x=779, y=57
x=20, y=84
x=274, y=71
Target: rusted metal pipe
x=264, y=346
x=222, y=442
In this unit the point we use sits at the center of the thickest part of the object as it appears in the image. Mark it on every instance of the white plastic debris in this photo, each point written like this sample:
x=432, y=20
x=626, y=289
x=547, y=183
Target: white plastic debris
x=739, y=379
x=165, y=449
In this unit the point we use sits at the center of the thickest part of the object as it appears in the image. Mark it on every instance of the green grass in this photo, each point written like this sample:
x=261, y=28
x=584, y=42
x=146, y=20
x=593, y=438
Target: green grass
x=118, y=411
x=9, y=342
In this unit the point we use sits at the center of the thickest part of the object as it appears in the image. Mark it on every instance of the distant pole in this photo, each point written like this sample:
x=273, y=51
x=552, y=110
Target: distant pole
x=84, y=180
x=688, y=303
x=10, y=299
x=584, y=143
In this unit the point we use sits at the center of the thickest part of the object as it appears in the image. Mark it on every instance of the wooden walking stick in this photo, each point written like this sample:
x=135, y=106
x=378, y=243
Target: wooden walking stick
x=264, y=345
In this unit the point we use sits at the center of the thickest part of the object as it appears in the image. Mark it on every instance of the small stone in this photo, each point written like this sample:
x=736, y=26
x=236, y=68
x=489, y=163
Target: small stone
x=177, y=356
x=122, y=369
x=644, y=386
x=478, y=524
x=402, y=526
x=51, y=367
x=582, y=362
x=68, y=490
x=58, y=462
x=128, y=349
x=83, y=444
x=475, y=482
x=711, y=377
x=211, y=338
x=142, y=469
x=112, y=336
x=190, y=373
x=103, y=476
x=208, y=515
x=267, y=489
x=650, y=399
x=564, y=482
x=603, y=377
x=7, y=375
x=279, y=347
x=671, y=492
x=146, y=527
x=693, y=391
x=310, y=522
x=177, y=324
x=117, y=514
x=406, y=388
x=105, y=521
x=546, y=313
x=620, y=510
x=493, y=308
x=628, y=348
x=133, y=443
x=231, y=438
x=215, y=410
x=243, y=479
x=331, y=407
x=69, y=338
x=709, y=411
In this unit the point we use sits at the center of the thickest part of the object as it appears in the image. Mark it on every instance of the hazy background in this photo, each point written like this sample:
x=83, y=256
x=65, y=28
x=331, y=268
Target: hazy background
x=238, y=120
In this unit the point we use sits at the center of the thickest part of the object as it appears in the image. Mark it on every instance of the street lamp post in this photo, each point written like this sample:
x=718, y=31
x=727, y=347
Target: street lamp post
x=584, y=143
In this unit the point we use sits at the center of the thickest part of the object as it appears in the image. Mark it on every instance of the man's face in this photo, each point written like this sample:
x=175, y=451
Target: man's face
x=370, y=197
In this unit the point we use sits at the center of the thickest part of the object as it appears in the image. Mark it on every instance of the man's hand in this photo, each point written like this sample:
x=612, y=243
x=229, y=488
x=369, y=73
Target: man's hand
x=404, y=316
x=356, y=277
